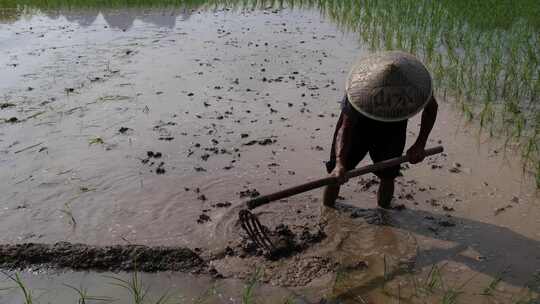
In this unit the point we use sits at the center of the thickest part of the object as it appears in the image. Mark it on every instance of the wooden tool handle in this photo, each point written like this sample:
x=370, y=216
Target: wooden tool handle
x=265, y=199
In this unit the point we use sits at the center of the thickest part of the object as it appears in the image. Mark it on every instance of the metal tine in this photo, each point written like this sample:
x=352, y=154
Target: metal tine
x=255, y=230
x=247, y=226
x=263, y=233
x=257, y=234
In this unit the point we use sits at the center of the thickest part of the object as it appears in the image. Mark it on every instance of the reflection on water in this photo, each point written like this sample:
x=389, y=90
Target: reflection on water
x=122, y=19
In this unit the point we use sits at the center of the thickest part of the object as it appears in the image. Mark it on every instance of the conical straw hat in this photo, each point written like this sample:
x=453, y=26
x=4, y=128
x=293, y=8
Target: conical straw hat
x=389, y=86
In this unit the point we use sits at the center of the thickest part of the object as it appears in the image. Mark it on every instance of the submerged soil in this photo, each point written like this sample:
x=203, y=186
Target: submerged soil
x=151, y=128
x=108, y=258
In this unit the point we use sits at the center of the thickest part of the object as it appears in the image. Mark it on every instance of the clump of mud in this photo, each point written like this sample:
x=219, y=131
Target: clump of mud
x=286, y=242
x=108, y=258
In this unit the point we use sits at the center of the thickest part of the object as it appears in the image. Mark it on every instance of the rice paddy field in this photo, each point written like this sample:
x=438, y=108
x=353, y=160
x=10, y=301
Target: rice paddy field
x=484, y=56
x=138, y=122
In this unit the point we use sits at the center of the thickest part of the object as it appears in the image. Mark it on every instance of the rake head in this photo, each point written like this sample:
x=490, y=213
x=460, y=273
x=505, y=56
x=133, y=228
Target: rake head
x=257, y=232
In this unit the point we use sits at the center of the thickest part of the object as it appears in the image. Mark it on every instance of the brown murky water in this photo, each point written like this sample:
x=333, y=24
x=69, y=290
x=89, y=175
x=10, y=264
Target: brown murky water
x=94, y=92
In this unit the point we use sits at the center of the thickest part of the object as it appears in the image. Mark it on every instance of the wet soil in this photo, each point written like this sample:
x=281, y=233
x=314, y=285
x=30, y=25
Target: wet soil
x=108, y=258
x=284, y=243
x=154, y=132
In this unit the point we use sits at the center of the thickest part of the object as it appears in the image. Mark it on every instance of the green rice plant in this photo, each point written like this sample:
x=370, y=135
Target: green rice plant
x=486, y=115
x=450, y=296
x=96, y=140
x=433, y=283
x=433, y=280
x=530, y=151
x=206, y=295
x=134, y=286
x=288, y=301
x=430, y=45
x=375, y=42
x=488, y=291
x=388, y=37
x=67, y=210
x=248, y=293
x=86, y=189
x=137, y=290
x=386, y=270
x=26, y=292
x=534, y=282
x=538, y=175
x=413, y=43
x=527, y=299
x=84, y=297
x=399, y=39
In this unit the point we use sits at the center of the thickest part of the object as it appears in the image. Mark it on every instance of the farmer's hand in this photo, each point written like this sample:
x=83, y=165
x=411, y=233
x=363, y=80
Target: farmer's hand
x=339, y=172
x=416, y=153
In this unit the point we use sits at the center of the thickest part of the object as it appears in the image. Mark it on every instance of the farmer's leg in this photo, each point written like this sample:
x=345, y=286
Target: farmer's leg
x=330, y=195
x=356, y=153
x=385, y=192
x=389, y=144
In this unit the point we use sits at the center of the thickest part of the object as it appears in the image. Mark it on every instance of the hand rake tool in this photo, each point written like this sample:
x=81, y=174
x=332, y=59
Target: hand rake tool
x=258, y=233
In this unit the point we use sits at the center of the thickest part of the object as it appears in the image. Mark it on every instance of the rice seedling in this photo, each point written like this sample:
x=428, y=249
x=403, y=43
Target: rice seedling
x=26, y=292
x=288, y=301
x=248, y=294
x=206, y=295
x=534, y=282
x=538, y=175
x=84, y=297
x=96, y=140
x=134, y=286
x=86, y=189
x=488, y=291
x=386, y=270
x=137, y=290
x=529, y=298
x=433, y=284
x=432, y=281
x=68, y=211
x=450, y=296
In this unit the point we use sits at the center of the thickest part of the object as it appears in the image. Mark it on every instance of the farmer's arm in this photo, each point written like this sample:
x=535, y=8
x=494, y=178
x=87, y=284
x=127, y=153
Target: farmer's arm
x=343, y=145
x=429, y=115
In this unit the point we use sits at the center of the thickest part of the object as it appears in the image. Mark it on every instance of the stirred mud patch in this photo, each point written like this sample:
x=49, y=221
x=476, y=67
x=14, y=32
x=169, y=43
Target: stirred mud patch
x=107, y=258
x=286, y=242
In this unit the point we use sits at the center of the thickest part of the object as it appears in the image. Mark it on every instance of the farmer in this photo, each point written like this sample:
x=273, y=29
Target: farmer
x=382, y=92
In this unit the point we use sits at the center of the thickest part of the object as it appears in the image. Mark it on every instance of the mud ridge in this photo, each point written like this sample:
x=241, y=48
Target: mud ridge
x=106, y=258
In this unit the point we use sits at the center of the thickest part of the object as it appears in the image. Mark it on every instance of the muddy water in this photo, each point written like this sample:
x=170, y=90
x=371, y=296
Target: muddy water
x=55, y=287
x=235, y=101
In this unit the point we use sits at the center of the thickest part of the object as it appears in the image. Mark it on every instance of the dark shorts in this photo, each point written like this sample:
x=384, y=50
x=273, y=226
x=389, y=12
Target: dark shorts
x=383, y=140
